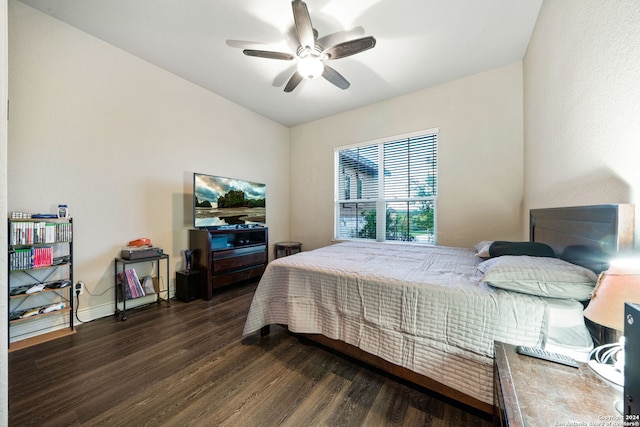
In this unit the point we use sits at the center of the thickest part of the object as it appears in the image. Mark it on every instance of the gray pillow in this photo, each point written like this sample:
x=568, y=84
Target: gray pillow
x=541, y=276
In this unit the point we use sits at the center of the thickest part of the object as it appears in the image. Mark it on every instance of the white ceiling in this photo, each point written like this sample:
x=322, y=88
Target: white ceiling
x=420, y=43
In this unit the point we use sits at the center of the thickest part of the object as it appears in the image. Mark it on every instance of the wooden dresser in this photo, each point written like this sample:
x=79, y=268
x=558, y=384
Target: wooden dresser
x=533, y=392
x=229, y=255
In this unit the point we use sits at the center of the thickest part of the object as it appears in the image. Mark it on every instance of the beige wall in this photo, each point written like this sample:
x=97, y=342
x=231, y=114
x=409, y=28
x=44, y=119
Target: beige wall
x=582, y=104
x=118, y=140
x=480, y=166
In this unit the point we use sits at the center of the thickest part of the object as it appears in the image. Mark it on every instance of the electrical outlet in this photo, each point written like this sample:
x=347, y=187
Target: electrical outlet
x=79, y=288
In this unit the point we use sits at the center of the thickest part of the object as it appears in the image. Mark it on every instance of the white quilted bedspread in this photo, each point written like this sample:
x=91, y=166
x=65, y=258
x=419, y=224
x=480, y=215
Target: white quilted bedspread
x=420, y=307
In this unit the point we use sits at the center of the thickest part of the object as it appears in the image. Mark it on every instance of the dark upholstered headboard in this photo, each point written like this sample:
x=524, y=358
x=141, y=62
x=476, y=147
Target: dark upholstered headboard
x=589, y=236
x=585, y=235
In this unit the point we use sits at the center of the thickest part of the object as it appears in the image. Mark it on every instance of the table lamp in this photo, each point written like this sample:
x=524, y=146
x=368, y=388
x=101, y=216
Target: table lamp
x=619, y=284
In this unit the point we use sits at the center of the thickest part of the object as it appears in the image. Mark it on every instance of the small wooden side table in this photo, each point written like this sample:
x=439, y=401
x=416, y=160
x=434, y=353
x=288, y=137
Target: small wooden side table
x=533, y=392
x=283, y=249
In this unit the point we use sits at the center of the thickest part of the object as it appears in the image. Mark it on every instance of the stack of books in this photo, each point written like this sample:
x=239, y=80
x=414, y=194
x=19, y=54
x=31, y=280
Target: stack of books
x=133, y=287
x=24, y=259
x=33, y=233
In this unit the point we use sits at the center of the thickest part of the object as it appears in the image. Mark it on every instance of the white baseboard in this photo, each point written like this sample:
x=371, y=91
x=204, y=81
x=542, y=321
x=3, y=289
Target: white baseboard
x=108, y=309
x=84, y=315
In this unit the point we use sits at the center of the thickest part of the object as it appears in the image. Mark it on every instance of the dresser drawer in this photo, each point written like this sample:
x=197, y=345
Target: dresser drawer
x=234, y=259
x=235, y=276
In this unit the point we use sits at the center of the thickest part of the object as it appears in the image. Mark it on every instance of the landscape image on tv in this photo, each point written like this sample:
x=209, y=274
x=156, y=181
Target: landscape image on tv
x=225, y=201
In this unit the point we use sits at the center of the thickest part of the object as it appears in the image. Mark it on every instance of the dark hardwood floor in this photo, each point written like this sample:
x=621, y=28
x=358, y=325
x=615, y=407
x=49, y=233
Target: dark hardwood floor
x=188, y=364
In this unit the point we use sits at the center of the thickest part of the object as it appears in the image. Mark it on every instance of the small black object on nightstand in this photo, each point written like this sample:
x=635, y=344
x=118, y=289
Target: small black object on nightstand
x=188, y=285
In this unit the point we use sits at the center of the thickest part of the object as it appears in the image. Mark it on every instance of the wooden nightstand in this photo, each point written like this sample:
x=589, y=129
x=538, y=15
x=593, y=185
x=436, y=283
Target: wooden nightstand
x=283, y=249
x=533, y=392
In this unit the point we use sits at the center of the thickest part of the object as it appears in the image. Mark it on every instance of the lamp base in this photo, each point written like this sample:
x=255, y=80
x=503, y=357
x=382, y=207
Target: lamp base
x=608, y=372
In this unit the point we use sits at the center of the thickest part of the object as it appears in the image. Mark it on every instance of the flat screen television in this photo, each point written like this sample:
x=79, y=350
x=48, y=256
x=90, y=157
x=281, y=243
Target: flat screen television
x=219, y=201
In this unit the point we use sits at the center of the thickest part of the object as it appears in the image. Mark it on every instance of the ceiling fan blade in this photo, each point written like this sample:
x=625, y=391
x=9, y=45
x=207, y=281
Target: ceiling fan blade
x=335, y=77
x=269, y=54
x=303, y=23
x=349, y=48
x=293, y=82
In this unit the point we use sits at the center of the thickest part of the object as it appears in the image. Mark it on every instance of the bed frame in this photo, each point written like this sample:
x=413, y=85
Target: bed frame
x=585, y=235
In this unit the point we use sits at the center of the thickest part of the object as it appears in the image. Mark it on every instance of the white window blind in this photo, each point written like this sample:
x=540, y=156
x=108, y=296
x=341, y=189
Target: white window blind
x=398, y=203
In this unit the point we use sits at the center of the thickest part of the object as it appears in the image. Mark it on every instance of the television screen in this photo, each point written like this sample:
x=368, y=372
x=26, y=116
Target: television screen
x=219, y=201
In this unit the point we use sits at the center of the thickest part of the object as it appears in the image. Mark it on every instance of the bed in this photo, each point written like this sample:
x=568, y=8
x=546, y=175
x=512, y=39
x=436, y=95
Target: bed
x=430, y=314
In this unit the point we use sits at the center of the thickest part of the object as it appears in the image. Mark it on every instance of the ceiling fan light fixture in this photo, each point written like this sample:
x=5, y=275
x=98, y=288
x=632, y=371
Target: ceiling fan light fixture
x=311, y=54
x=310, y=67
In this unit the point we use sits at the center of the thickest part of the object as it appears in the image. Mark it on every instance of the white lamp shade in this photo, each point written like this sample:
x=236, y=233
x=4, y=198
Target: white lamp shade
x=619, y=284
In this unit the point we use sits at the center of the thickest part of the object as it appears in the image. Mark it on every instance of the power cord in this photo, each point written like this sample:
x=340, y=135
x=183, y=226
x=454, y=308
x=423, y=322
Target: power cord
x=78, y=287
x=608, y=361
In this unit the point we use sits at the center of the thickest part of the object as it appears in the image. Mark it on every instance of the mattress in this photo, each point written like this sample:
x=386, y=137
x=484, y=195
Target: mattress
x=420, y=307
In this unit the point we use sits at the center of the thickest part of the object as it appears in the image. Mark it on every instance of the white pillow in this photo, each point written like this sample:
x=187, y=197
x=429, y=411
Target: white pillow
x=542, y=276
x=483, y=248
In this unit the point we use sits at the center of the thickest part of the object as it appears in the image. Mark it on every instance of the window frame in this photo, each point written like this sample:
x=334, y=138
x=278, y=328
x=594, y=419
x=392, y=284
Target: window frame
x=381, y=201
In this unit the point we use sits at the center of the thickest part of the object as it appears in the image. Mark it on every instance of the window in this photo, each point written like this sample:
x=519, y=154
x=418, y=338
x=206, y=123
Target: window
x=396, y=187
x=347, y=187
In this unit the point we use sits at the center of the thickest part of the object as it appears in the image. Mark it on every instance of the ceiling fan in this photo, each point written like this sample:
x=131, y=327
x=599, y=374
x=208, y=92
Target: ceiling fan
x=311, y=55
